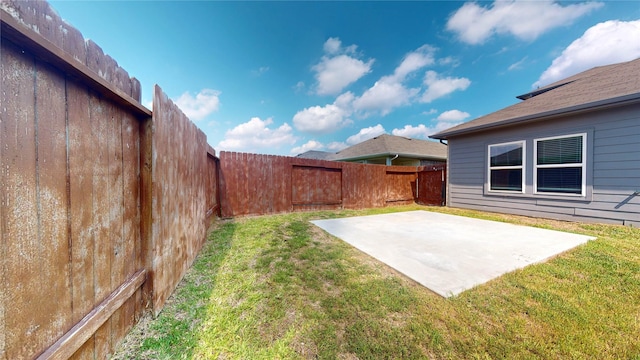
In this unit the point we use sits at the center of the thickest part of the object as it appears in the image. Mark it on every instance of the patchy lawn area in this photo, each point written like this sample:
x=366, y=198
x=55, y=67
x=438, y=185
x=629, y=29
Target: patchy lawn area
x=278, y=287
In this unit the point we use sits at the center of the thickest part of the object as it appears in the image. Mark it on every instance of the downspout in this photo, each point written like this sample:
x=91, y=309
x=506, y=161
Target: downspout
x=443, y=184
x=390, y=161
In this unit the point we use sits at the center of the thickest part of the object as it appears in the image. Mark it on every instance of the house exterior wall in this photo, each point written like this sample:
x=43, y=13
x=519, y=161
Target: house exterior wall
x=612, y=169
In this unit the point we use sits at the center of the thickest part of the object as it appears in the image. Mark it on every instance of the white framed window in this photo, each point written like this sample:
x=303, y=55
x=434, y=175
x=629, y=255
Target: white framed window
x=506, y=167
x=559, y=165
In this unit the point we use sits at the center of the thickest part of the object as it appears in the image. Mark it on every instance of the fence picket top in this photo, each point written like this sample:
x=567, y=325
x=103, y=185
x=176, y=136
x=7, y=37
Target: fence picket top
x=35, y=25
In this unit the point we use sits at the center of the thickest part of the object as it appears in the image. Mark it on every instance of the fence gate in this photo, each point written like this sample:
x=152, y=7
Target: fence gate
x=432, y=185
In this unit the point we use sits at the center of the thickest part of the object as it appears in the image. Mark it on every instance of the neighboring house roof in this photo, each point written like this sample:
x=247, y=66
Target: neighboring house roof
x=599, y=87
x=385, y=145
x=316, y=155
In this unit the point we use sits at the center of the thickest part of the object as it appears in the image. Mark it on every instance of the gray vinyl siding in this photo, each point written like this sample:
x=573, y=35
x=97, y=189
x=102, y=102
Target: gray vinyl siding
x=612, y=168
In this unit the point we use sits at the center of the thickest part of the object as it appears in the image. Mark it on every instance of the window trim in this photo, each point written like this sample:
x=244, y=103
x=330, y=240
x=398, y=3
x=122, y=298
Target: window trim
x=582, y=165
x=521, y=167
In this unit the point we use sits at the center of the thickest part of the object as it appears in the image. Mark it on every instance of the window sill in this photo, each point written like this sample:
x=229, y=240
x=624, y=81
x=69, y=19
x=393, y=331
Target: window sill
x=529, y=196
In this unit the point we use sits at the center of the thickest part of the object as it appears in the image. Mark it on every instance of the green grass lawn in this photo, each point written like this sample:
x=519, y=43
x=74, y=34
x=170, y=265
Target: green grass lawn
x=276, y=287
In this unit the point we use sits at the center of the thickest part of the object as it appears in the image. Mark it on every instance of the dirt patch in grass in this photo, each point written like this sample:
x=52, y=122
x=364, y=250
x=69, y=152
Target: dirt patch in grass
x=132, y=343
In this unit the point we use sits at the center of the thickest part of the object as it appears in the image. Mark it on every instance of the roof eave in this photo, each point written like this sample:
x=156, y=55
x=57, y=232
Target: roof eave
x=595, y=105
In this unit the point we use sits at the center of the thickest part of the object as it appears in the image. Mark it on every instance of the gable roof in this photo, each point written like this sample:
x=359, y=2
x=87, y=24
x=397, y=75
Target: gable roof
x=599, y=87
x=385, y=145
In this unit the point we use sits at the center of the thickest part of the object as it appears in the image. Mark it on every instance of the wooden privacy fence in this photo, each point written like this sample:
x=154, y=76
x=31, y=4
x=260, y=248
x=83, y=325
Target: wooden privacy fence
x=253, y=184
x=104, y=204
x=70, y=206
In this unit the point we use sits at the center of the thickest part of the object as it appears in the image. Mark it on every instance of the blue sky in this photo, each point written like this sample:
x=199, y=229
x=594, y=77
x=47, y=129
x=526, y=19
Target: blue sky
x=286, y=77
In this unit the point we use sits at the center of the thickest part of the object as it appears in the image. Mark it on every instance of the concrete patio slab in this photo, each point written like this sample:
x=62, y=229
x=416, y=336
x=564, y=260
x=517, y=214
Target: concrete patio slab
x=446, y=253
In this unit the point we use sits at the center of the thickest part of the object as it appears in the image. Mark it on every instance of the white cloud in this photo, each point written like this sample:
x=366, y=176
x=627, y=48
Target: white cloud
x=389, y=92
x=336, y=146
x=443, y=125
x=449, y=61
x=415, y=60
x=309, y=145
x=366, y=134
x=444, y=121
x=255, y=135
x=422, y=131
x=332, y=45
x=260, y=71
x=410, y=131
x=439, y=87
x=298, y=87
x=345, y=101
x=448, y=119
x=518, y=65
x=199, y=107
x=525, y=20
x=604, y=43
x=337, y=71
x=430, y=112
x=453, y=115
x=384, y=96
x=325, y=119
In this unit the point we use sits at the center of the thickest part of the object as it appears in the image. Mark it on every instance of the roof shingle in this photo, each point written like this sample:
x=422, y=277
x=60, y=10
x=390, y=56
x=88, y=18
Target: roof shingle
x=316, y=155
x=391, y=145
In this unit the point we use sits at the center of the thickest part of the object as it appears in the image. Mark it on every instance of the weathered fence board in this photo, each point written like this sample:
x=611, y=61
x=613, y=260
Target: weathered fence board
x=3, y=199
x=22, y=284
x=401, y=186
x=100, y=111
x=131, y=215
x=282, y=198
x=213, y=198
x=316, y=186
x=81, y=142
x=431, y=185
x=363, y=186
x=51, y=186
x=115, y=209
x=245, y=196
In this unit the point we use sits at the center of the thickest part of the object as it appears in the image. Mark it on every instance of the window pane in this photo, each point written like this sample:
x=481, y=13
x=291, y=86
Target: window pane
x=560, y=180
x=560, y=151
x=508, y=179
x=506, y=155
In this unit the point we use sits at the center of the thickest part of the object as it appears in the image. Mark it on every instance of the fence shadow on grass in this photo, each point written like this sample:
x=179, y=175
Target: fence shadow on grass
x=176, y=329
